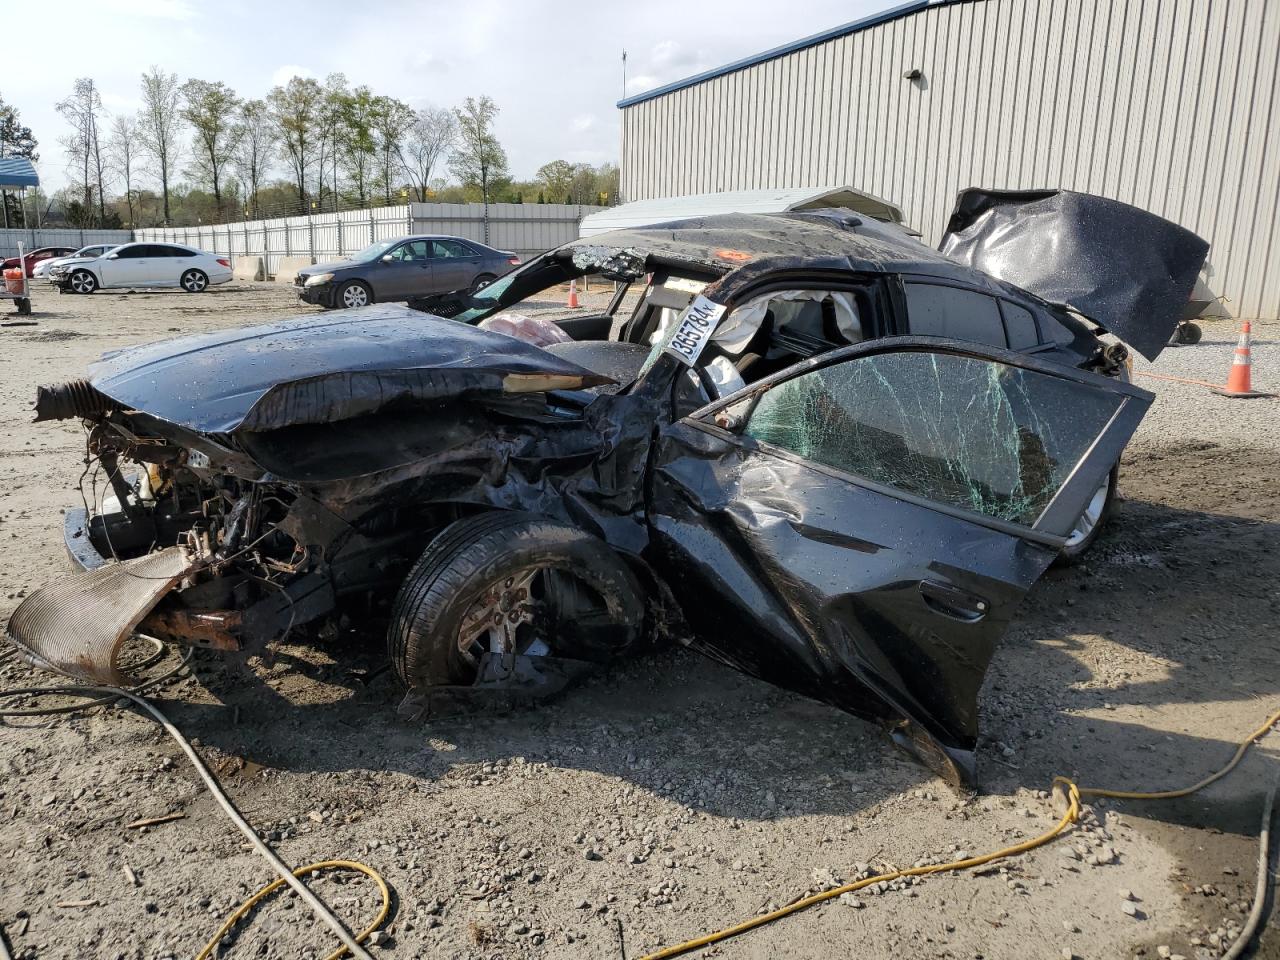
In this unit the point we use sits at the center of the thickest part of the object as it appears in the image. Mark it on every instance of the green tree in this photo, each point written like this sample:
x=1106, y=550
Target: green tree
x=356, y=144
x=390, y=121
x=159, y=125
x=15, y=138
x=295, y=109
x=210, y=109
x=556, y=178
x=479, y=160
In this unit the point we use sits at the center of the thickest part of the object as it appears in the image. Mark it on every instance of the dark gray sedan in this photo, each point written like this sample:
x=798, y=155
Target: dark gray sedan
x=402, y=268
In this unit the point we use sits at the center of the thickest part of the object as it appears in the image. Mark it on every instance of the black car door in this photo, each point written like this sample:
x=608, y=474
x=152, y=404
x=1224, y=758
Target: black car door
x=456, y=265
x=868, y=521
x=402, y=272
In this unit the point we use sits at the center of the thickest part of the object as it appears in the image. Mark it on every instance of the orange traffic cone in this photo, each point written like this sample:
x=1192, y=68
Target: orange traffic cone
x=1240, y=380
x=573, y=295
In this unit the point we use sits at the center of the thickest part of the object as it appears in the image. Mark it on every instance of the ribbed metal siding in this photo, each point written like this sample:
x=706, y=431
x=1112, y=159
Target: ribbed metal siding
x=1171, y=105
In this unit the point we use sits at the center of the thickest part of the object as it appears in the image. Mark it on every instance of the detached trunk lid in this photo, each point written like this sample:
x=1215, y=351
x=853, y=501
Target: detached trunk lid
x=1126, y=269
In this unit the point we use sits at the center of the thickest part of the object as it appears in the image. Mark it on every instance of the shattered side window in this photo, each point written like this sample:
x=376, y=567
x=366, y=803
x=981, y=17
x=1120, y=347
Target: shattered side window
x=961, y=431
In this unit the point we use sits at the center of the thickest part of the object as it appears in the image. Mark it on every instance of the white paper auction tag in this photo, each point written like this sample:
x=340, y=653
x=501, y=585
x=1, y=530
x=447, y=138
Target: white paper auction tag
x=693, y=332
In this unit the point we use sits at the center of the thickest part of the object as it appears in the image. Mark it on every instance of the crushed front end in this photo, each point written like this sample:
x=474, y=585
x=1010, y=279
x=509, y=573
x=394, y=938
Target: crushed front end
x=209, y=553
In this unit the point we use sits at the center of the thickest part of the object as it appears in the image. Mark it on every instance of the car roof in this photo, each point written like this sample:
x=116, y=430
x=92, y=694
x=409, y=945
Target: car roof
x=821, y=240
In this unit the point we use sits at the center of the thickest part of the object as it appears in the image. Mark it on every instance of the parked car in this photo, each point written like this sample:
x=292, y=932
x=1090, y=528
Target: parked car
x=783, y=454
x=143, y=265
x=33, y=257
x=403, y=268
x=91, y=252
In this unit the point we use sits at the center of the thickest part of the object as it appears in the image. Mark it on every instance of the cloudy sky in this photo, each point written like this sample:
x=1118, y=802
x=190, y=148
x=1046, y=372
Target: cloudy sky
x=554, y=68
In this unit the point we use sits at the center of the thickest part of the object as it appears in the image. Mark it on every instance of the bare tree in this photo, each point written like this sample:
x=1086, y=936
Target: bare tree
x=84, y=111
x=294, y=109
x=255, y=141
x=159, y=125
x=431, y=135
x=211, y=108
x=122, y=154
x=479, y=160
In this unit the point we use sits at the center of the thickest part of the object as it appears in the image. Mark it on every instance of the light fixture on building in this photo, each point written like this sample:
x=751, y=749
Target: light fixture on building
x=915, y=73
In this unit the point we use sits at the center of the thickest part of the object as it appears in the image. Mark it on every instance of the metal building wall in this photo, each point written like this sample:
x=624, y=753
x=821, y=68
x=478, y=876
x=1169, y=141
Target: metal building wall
x=1171, y=105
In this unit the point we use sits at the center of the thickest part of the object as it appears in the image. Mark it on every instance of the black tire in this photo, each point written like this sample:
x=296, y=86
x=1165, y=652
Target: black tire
x=480, y=282
x=1076, y=549
x=583, y=601
x=194, y=281
x=1191, y=333
x=352, y=294
x=82, y=281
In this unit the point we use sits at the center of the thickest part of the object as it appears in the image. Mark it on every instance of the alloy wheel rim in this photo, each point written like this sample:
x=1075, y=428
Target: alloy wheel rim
x=81, y=283
x=503, y=619
x=193, y=282
x=1092, y=514
x=355, y=297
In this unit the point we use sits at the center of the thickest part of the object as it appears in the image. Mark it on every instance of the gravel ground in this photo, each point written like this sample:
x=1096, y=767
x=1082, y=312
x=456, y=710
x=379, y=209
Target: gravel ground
x=671, y=796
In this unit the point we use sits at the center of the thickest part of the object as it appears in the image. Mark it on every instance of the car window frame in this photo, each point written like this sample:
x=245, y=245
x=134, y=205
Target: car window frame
x=703, y=419
x=909, y=279
x=1040, y=343
x=462, y=243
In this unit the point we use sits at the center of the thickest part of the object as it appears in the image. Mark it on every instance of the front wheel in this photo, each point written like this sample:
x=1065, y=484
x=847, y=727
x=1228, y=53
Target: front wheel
x=1096, y=514
x=511, y=583
x=353, y=294
x=194, y=281
x=82, y=281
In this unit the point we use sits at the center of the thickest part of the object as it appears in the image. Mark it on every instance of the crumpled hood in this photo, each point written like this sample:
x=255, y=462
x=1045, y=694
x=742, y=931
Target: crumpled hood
x=1124, y=268
x=324, y=369
x=333, y=267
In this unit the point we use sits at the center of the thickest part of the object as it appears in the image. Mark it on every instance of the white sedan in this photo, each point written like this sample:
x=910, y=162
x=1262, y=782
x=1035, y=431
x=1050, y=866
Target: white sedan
x=138, y=265
x=91, y=252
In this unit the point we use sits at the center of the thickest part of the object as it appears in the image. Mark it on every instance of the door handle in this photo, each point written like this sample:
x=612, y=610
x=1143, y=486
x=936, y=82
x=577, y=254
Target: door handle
x=953, y=602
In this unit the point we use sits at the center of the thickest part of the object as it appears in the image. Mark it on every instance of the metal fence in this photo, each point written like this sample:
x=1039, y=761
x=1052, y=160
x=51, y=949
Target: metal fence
x=32, y=239
x=524, y=229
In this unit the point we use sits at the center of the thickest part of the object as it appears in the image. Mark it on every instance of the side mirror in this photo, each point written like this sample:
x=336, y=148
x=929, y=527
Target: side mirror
x=387, y=258
x=113, y=256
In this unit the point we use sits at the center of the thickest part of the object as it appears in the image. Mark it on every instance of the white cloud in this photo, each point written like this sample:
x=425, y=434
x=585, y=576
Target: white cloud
x=672, y=55
x=157, y=9
x=287, y=72
x=555, y=86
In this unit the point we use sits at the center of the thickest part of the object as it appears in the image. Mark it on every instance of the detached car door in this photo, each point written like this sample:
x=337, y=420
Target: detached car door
x=868, y=521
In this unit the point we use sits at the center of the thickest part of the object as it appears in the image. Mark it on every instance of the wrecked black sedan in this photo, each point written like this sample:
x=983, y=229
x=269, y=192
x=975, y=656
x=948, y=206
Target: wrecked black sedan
x=765, y=458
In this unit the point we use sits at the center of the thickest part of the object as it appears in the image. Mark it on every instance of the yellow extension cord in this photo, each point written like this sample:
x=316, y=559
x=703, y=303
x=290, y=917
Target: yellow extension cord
x=1073, y=795
x=1069, y=789
x=276, y=884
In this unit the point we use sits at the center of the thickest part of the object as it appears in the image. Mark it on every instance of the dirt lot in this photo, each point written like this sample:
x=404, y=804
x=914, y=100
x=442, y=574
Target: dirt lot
x=671, y=796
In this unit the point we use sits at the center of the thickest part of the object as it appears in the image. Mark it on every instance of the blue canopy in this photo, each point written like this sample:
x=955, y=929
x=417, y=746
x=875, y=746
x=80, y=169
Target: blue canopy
x=17, y=173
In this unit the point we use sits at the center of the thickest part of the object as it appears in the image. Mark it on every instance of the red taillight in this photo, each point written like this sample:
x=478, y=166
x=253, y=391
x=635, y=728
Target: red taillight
x=225, y=263
x=514, y=261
